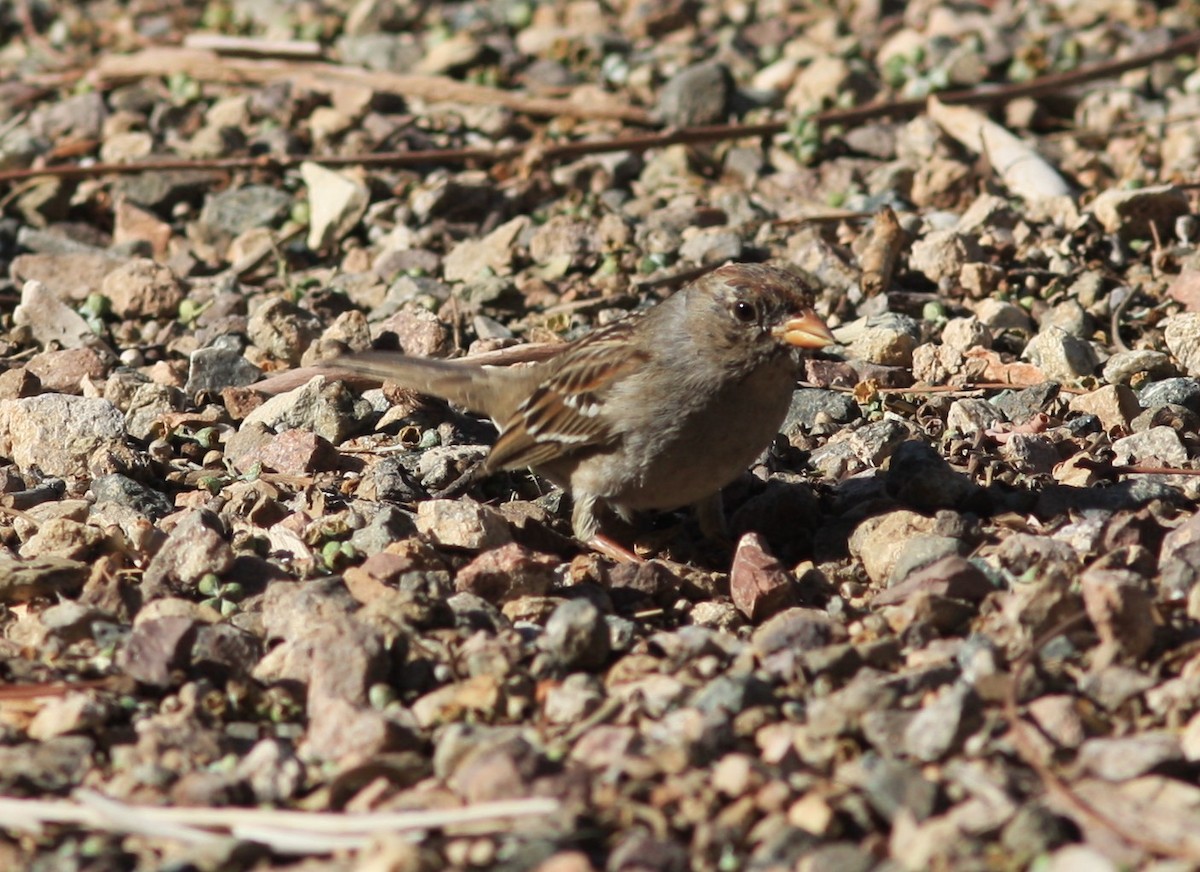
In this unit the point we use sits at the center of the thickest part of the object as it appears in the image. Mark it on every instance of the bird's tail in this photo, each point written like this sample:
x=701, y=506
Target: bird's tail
x=464, y=384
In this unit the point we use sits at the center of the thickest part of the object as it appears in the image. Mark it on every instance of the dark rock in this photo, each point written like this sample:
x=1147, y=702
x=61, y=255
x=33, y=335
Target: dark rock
x=124, y=491
x=813, y=406
x=695, y=95
x=576, y=636
x=1171, y=391
x=223, y=651
x=233, y=211
x=215, y=368
x=796, y=629
x=1020, y=406
x=758, y=584
x=919, y=477
x=892, y=785
x=156, y=648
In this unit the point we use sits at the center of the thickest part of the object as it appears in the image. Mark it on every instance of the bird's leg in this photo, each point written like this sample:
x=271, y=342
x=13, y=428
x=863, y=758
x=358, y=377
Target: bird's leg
x=585, y=523
x=611, y=548
x=710, y=515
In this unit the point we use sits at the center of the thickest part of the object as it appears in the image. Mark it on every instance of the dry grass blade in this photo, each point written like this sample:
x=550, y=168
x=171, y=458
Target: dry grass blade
x=123, y=818
x=1023, y=171
x=285, y=831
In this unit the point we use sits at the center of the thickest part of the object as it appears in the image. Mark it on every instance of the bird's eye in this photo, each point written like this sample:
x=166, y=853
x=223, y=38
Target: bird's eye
x=744, y=312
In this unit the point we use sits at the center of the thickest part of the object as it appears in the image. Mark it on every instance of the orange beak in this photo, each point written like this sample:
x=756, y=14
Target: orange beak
x=807, y=330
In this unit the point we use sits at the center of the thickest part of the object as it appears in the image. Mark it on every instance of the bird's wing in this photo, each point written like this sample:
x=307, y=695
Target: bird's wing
x=565, y=412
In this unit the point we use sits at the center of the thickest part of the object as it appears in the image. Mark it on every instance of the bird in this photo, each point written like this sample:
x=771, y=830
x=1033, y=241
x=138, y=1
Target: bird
x=657, y=410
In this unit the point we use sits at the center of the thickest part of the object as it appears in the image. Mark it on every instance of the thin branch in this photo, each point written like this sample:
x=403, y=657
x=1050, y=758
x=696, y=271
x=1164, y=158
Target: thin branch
x=294, y=832
x=1113, y=470
x=51, y=688
x=292, y=49
x=991, y=95
x=207, y=66
x=963, y=390
x=981, y=96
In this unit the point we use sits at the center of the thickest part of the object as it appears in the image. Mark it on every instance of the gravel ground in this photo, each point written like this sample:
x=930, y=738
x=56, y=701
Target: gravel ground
x=254, y=617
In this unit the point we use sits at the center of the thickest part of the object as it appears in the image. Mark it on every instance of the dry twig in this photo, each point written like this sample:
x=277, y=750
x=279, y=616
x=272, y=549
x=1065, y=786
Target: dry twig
x=293, y=832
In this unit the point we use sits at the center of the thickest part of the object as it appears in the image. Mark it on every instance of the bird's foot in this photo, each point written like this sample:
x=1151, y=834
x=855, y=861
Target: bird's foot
x=612, y=549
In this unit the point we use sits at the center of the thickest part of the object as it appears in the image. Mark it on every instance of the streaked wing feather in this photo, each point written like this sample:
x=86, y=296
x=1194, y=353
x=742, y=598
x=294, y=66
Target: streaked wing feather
x=563, y=415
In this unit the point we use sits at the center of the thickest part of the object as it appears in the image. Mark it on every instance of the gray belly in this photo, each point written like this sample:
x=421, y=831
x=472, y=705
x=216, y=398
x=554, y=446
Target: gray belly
x=700, y=455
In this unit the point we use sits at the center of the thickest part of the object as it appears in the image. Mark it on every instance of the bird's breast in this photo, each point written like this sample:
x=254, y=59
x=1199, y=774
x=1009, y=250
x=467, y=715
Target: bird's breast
x=685, y=446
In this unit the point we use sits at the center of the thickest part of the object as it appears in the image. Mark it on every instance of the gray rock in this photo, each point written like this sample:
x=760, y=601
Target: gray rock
x=1061, y=355
x=49, y=319
x=963, y=334
x=942, y=726
x=194, y=548
x=159, y=190
x=921, y=551
x=236, y=210
x=391, y=480
x=1182, y=335
x=1127, y=757
x=387, y=525
x=562, y=240
x=576, y=636
x=941, y=254
x=80, y=117
x=1020, y=406
x=813, y=406
x=731, y=693
x=986, y=213
x=839, y=857
x=462, y=523
x=573, y=699
x=1000, y=316
x=797, y=629
x=971, y=415
x=695, y=95
x=1033, y=831
x=283, y=330
x=850, y=451
x=887, y=339
x=393, y=52
x=328, y=409
x=271, y=770
x=1030, y=452
x=1158, y=446
x=57, y=433
x=1130, y=213
x=1124, y=365
x=622, y=633
x=149, y=403
x=884, y=729
x=1171, y=391
x=122, y=490
x=892, y=785
x=472, y=613
x=1070, y=317
x=712, y=245
x=215, y=368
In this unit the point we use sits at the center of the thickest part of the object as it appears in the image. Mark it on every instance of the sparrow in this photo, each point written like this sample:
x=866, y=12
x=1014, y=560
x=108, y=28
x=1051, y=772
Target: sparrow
x=658, y=410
